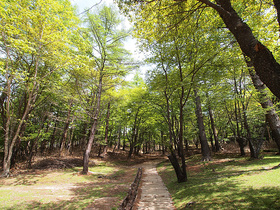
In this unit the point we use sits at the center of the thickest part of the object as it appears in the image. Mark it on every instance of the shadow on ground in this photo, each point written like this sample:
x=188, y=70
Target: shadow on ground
x=233, y=184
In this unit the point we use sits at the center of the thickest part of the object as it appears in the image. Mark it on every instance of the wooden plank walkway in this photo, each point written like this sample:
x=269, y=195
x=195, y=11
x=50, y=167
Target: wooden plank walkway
x=154, y=194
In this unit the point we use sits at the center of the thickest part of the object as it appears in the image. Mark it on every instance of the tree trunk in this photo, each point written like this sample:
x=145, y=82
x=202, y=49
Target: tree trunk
x=65, y=131
x=71, y=140
x=93, y=128
x=52, y=140
x=263, y=61
x=124, y=135
x=253, y=153
x=271, y=115
x=119, y=137
x=181, y=136
x=242, y=143
x=11, y=140
x=106, y=131
x=240, y=140
x=205, y=149
x=134, y=135
x=217, y=145
x=181, y=177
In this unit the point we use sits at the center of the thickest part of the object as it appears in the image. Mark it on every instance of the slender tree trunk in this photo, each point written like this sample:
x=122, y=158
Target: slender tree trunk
x=131, y=147
x=124, y=136
x=65, y=131
x=119, y=137
x=7, y=151
x=71, y=141
x=253, y=153
x=93, y=128
x=181, y=136
x=214, y=131
x=106, y=131
x=52, y=139
x=205, y=149
x=134, y=136
x=240, y=140
x=10, y=141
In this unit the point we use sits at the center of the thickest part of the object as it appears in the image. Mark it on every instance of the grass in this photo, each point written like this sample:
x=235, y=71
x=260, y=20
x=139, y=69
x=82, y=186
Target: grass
x=227, y=183
x=67, y=189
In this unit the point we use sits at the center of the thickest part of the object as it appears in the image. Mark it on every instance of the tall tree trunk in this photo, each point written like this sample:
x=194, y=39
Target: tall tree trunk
x=271, y=115
x=214, y=131
x=240, y=140
x=124, y=135
x=70, y=143
x=134, y=135
x=181, y=136
x=65, y=131
x=52, y=138
x=106, y=131
x=93, y=128
x=11, y=140
x=205, y=149
x=32, y=90
x=119, y=138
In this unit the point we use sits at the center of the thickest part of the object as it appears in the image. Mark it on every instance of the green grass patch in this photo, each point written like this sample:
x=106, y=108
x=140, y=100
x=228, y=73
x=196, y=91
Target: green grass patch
x=230, y=183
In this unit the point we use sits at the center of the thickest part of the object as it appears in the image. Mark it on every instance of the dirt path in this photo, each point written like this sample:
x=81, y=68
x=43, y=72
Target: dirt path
x=153, y=193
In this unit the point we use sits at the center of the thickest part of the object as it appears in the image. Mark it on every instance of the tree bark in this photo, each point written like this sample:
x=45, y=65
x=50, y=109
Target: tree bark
x=205, y=149
x=181, y=177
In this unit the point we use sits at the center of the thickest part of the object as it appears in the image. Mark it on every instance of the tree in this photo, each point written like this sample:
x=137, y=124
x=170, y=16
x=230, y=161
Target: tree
x=35, y=43
x=157, y=11
x=206, y=153
x=106, y=53
x=266, y=103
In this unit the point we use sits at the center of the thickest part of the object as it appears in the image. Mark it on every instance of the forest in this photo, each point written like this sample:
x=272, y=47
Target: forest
x=212, y=86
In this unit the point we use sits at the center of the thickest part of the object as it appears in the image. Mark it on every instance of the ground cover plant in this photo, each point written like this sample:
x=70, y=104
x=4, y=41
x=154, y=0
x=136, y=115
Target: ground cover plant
x=227, y=182
x=56, y=183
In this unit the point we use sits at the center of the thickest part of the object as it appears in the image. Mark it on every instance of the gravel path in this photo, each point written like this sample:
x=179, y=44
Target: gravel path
x=154, y=194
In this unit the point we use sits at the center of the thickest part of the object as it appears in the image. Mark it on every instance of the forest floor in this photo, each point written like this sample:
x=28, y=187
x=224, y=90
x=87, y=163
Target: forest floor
x=56, y=183
x=228, y=181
